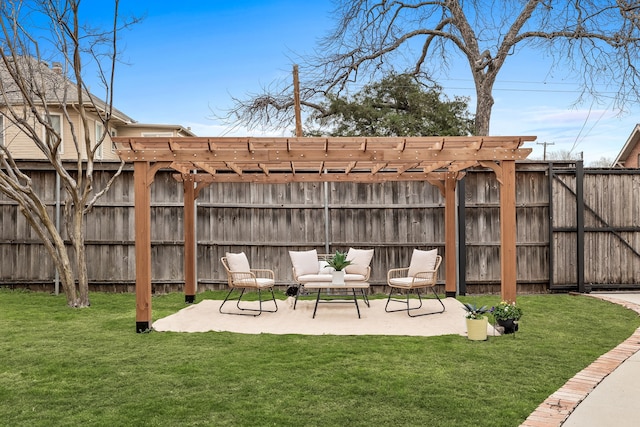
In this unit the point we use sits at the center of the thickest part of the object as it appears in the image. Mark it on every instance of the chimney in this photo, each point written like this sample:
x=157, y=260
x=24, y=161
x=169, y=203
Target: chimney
x=57, y=67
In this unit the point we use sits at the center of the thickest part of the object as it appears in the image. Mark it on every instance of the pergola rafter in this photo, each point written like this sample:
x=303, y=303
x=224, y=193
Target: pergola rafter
x=440, y=161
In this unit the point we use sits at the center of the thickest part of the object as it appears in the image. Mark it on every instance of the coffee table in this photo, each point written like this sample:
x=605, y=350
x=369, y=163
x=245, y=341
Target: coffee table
x=362, y=286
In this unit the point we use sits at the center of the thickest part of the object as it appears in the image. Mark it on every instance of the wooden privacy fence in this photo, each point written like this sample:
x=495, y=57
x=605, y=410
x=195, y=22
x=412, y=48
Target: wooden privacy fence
x=268, y=220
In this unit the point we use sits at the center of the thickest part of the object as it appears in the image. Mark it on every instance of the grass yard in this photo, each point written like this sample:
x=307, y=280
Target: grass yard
x=88, y=367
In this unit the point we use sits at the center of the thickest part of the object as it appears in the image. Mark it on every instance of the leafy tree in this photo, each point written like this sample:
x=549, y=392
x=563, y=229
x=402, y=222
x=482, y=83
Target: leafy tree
x=593, y=41
x=33, y=34
x=398, y=105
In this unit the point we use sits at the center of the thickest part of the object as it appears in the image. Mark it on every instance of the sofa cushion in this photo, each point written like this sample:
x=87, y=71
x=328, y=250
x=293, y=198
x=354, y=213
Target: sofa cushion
x=238, y=262
x=305, y=262
x=350, y=277
x=307, y=278
x=422, y=261
x=360, y=260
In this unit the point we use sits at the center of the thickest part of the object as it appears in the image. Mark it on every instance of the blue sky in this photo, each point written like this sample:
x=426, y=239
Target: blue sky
x=186, y=60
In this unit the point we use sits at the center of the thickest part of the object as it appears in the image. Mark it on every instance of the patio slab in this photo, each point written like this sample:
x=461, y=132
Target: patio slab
x=331, y=319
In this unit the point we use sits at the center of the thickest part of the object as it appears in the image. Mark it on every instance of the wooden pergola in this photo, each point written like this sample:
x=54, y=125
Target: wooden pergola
x=200, y=161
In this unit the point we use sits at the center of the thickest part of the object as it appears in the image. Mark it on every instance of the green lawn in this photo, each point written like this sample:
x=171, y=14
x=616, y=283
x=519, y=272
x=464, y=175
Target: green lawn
x=88, y=367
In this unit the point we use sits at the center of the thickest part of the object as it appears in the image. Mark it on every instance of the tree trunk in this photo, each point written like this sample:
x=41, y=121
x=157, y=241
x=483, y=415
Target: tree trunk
x=54, y=243
x=77, y=238
x=484, y=104
x=63, y=265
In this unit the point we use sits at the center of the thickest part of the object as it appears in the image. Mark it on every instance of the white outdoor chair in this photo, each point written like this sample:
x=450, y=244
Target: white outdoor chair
x=420, y=275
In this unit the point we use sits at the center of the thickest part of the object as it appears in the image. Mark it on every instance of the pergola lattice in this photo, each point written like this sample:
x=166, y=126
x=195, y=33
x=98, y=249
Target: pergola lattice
x=200, y=161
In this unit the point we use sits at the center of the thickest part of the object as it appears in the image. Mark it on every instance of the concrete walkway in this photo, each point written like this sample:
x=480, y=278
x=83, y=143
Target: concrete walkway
x=606, y=392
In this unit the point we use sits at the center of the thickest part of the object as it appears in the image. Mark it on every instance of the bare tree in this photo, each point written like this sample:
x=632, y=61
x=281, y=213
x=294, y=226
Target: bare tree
x=564, y=155
x=602, y=162
x=594, y=41
x=33, y=33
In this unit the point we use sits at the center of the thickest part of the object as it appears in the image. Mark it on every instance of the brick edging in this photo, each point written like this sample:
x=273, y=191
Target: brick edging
x=554, y=411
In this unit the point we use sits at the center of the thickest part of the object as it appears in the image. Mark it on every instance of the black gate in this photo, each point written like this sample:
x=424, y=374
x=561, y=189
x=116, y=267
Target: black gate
x=594, y=234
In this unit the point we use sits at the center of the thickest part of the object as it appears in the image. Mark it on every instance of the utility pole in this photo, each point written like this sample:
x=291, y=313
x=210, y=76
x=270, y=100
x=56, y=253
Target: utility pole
x=544, y=151
x=296, y=101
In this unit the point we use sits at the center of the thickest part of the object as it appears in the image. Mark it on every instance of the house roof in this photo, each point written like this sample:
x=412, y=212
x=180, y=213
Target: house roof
x=46, y=85
x=628, y=147
x=168, y=127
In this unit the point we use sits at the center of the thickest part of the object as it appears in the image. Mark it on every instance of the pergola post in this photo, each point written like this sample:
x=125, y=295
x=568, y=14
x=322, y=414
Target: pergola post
x=189, y=239
x=508, y=231
x=142, y=204
x=450, y=245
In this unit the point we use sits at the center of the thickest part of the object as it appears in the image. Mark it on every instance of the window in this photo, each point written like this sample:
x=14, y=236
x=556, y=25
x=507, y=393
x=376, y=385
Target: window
x=99, y=136
x=56, y=123
x=113, y=144
x=2, y=131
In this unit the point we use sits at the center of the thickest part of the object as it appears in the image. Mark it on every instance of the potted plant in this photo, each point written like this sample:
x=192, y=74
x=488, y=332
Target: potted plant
x=476, y=322
x=507, y=314
x=338, y=262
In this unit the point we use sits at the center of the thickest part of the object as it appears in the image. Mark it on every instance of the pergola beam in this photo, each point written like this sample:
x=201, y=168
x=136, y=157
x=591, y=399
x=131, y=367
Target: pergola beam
x=315, y=155
x=317, y=176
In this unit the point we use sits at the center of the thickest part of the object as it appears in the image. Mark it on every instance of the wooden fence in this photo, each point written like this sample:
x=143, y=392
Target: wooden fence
x=268, y=220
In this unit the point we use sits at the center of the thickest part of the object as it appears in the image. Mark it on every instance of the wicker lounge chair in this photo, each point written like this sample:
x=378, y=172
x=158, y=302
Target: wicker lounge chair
x=420, y=275
x=241, y=277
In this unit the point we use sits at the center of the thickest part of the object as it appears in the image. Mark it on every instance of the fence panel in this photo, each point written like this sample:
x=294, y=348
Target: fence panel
x=268, y=220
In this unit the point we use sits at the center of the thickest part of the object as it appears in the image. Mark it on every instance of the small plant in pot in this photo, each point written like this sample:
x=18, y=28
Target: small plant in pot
x=338, y=262
x=476, y=321
x=474, y=312
x=507, y=314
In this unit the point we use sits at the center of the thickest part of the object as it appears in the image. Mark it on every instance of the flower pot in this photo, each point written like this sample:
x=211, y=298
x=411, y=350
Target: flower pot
x=477, y=329
x=510, y=325
x=337, y=277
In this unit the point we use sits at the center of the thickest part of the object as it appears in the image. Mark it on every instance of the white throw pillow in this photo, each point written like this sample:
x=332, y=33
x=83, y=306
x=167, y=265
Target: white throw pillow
x=325, y=268
x=422, y=261
x=360, y=260
x=238, y=262
x=305, y=262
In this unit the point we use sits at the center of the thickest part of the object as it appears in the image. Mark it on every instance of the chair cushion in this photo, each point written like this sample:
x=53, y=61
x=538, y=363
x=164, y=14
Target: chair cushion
x=422, y=261
x=238, y=262
x=305, y=262
x=408, y=282
x=258, y=282
x=360, y=260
